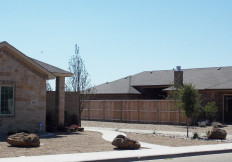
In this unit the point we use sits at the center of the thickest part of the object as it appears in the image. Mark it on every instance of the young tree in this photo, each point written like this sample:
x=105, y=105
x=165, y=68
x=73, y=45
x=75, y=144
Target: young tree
x=188, y=99
x=79, y=82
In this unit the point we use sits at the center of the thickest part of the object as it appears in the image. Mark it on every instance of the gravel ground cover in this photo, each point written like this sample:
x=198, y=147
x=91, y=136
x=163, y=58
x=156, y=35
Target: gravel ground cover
x=88, y=141
x=154, y=127
x=168, y=140
x=160, y=139
x=60, y=143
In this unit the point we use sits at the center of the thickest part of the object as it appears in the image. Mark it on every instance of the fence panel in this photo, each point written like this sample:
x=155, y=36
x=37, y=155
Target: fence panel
x=142, y=111
x=148, y=111
x=96, y=109
x=130, y=110
x=112, y=110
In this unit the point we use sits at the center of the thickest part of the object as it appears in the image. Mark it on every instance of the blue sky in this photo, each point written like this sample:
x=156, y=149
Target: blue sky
x=118, y=38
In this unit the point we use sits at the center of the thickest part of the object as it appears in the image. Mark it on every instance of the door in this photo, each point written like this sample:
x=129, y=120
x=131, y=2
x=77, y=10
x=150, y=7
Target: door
x=228, y=108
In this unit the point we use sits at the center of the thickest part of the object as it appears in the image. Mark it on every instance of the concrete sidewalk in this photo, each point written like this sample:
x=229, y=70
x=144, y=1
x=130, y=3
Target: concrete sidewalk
x=153, y=151
x=166, y=133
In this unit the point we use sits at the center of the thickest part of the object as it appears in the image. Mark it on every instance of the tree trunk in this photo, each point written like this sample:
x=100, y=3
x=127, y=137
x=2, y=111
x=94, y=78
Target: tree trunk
x=187, y=127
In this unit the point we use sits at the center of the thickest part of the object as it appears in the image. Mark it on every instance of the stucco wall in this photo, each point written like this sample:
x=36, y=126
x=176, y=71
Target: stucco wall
x=29, y=86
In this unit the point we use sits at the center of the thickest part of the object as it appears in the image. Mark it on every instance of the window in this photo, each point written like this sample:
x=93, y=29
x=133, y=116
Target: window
x=6, y=100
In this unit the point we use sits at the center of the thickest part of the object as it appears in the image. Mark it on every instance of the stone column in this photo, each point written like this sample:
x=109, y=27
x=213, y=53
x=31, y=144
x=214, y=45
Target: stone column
x=60, y=99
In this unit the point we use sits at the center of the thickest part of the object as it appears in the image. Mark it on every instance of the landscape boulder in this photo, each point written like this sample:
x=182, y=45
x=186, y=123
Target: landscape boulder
x=218, y=125
x=23, y=140
x=217, y=133
x=123, y=142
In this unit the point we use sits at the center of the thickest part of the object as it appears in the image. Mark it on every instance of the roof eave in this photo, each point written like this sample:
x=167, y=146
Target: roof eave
x=63, y=74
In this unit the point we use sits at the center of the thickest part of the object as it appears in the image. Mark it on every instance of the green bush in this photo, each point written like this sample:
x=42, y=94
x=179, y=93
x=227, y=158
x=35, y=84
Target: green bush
x=195, y=135
x=210, y=110
x=70, y=119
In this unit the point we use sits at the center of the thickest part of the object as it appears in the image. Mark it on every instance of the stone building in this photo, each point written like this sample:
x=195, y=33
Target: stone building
x=23, y=91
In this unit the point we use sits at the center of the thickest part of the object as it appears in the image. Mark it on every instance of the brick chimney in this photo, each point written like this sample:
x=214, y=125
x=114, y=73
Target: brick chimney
x=178, y=77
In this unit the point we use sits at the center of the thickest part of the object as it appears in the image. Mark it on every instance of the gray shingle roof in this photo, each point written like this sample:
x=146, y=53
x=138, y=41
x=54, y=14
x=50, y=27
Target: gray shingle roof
x=121, y=86
x=201, y=78
x=50, y=68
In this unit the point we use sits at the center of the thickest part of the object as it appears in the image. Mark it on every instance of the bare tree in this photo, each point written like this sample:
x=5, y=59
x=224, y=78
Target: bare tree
x=48, y=86
x=79, y=82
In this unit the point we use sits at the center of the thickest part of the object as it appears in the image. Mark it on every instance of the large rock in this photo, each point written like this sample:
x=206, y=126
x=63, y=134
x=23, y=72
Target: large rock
x=23, y=140
x=218, y=125
x=217, y=133
x=123, y=142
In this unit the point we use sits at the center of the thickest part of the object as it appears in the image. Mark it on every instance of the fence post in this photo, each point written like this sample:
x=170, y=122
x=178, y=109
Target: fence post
x=89, y=110
x=138, y=111
x=157, y=111
x=103, y=110
x=168, y=105
x=121, y=111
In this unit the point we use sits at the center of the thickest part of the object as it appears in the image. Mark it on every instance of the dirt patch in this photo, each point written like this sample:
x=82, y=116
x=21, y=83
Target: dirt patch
x=169, y=141
x=60, y=143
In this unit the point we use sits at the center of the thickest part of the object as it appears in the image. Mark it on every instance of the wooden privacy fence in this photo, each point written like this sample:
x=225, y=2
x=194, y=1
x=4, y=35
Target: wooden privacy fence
x=141, y=111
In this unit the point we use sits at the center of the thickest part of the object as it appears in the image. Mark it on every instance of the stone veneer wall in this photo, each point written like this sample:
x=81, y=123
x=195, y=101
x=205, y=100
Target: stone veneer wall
x=29, y=95
x=71, y=103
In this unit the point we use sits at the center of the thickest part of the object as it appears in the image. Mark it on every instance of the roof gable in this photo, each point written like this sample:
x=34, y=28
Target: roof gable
x=49, y=70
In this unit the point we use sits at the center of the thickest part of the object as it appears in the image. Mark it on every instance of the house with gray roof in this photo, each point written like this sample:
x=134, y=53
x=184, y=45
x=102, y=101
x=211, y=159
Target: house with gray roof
x=23, y=91
x=214, y=84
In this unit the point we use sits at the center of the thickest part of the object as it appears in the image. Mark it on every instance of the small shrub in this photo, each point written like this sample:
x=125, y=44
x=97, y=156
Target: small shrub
x=195, y=135
x=73, y=119
x=61, y=128
x=70, y=119
x=202, y=124
x=215, y=126
x=210, y=110
x=207, y=133
x=73, y=128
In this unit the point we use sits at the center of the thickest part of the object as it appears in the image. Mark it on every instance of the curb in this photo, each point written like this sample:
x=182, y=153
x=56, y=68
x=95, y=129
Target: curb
x=167, y=156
